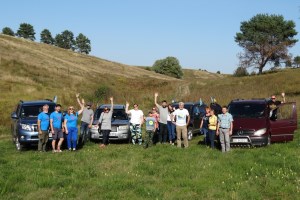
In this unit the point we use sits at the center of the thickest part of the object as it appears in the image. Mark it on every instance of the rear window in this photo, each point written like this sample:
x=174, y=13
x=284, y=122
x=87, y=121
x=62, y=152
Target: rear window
x=247, y=110
x=33, y=111
x=118, y=114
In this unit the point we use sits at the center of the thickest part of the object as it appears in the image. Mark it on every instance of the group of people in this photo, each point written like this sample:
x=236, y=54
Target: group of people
x=162, y=122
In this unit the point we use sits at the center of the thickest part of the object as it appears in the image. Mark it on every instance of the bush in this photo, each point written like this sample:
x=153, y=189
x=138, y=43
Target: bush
x=8, y=31
x=169, y=66
x=103, y=92
x=240, y=71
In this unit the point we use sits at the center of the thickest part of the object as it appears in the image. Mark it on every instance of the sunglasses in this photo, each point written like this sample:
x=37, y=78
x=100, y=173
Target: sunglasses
x=273, y=98
x=71, y=108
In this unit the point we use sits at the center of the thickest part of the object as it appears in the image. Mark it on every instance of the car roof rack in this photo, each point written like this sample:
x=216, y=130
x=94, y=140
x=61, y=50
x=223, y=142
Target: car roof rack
x=48, y=100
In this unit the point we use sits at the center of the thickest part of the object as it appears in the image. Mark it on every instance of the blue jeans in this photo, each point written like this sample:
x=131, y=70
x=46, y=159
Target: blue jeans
x=72, y=137
x=205, y=133
x=212, y=135
x=171, y=131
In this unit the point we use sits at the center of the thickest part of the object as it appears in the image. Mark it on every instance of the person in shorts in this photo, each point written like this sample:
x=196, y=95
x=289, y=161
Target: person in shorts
x=56, y=119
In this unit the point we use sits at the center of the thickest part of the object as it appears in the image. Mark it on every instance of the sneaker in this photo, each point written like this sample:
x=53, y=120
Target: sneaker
x=74, y=149
x=54, y=151
x=70, y=149
x=59, y=151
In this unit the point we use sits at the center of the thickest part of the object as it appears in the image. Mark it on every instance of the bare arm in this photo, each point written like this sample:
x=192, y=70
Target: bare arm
x=65, y=125
x=126, y=109
x=39, y=126
x=283, y=97
x=188, y=121
x=231, y=128
x=78, y=101
x=201, y=124
x=51, y=125
x=142, y=119
x=81, y=107
x=155, y=99
x=112, y=104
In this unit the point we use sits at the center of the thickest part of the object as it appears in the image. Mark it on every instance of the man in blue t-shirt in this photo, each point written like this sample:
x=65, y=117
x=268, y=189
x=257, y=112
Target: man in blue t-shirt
x=56, y=119
x=43, y=128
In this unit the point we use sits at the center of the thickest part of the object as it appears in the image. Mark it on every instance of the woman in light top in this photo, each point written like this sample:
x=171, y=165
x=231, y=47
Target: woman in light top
x=105, y=122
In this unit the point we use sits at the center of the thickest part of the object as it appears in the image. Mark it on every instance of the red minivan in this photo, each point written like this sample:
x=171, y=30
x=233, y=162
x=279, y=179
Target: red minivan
x=256, y=125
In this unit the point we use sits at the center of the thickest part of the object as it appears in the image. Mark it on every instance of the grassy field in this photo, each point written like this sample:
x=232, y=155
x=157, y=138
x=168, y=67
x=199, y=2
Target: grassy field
x=36, y=71
x=123, y=171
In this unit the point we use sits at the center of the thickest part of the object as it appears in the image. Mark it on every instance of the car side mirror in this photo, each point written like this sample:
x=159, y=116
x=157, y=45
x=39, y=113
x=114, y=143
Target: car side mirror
x=14, y=115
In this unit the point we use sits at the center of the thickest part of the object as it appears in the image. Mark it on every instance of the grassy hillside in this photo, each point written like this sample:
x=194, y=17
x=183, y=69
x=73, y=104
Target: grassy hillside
x=35, y=71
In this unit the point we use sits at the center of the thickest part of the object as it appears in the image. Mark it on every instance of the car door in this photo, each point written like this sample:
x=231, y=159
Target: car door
x=283, y=122
x=196, y=116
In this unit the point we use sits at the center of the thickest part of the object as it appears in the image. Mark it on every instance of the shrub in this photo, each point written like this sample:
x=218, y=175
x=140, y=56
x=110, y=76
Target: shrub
x=240, y=71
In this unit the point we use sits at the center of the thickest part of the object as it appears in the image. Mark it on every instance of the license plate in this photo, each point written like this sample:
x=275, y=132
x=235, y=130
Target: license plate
x=240, y=140
x=50, y=134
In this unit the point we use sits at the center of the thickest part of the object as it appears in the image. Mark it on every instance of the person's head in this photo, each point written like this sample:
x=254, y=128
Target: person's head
x=135, y=106
x=154, y=110
x=71, y=110
x=224, y=109
x=150, y=113
x=45, y=108
x=207, y=110
x=106, y=110
x=273, y=98
x=57, y=107
x=181, y=105
x=164, y=104
x=170, y=108
x=212, y=112
x=89, y=105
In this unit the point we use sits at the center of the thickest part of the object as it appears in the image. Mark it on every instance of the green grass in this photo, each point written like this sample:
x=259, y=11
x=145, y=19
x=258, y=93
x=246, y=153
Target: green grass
x=123, y=171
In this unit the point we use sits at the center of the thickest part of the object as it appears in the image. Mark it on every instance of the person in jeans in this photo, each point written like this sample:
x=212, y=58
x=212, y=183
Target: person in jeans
x=171, y=125
x=136, y=122
x=212, y=127
x=86, y=120
x=150, y=129
x=43, y=128
x=105, y=123
x=224, y=128
x=182, y=119
x=204, y=125
x=163, y=112
x=56, y=119
x=70, y=124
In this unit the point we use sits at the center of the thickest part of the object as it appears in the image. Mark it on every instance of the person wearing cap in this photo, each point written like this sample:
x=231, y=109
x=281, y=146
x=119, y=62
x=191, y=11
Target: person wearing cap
x=273, y=103
x=105, y=123
x=136, y=122
x=56, y=119
x=43, y=128
x=86, y=120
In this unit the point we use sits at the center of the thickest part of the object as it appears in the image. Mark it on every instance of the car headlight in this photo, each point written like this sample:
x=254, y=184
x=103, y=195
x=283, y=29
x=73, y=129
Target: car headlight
x=260, y=132
x=26, y=127
x=123, y=127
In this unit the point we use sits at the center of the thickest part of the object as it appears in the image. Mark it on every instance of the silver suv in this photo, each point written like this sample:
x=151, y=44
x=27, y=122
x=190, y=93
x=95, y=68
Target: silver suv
x=119, y=124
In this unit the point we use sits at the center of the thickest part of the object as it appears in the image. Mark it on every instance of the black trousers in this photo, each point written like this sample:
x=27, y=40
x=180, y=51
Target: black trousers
x=163, y=132
x=105, y=138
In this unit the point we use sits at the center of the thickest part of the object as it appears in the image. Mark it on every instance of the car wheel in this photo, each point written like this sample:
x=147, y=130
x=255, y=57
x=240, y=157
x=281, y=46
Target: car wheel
x=190, y=133
x=19, y=146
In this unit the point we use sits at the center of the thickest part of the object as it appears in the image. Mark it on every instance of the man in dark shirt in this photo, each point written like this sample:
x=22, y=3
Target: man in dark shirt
x=273, y=103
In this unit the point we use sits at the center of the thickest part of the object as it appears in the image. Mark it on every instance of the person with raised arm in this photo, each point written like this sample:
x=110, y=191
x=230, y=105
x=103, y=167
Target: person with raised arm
x=136, y=122
x=105, y=123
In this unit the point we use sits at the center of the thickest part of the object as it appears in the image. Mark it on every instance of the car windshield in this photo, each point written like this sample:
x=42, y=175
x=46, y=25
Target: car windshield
x=34, y=111
x=247, y=110
x=118, y=114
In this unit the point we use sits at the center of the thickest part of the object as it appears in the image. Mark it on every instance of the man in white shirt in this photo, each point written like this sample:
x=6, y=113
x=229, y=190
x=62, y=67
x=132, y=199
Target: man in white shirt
x=182, y=118
x=136, y=122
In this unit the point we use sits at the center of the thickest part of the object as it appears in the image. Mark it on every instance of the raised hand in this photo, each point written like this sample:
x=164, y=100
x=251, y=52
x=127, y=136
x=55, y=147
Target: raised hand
x=82, y=101
x=77, y=95
x=156, y=94
x=283, y=94
x=127, y=104
x=111, y=98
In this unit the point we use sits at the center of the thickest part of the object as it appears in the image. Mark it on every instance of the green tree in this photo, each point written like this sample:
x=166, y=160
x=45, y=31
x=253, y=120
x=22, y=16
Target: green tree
x=26, y=31
x=8, y=31
x=297, y=61
x=240, y=71
x=46, y=37
x=65, y=40
x=169, y=66
x=265, y=39
x=83, y=44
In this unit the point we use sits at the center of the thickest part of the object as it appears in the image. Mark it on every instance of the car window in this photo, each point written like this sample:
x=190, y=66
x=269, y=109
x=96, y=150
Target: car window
x=247, y=110
x=118, y=114
x=33, y=111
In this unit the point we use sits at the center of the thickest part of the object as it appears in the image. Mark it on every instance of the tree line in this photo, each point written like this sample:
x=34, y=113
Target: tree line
x=65, y=39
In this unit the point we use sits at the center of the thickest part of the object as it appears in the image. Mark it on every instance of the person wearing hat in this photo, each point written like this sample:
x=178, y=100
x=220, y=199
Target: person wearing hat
x=86, y=120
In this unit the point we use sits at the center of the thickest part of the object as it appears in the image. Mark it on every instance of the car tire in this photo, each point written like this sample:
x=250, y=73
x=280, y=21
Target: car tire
x=18, y=145
x=190, y=133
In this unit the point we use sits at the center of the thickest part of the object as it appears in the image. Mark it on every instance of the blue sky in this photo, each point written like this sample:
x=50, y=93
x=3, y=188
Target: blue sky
x=138, y=32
